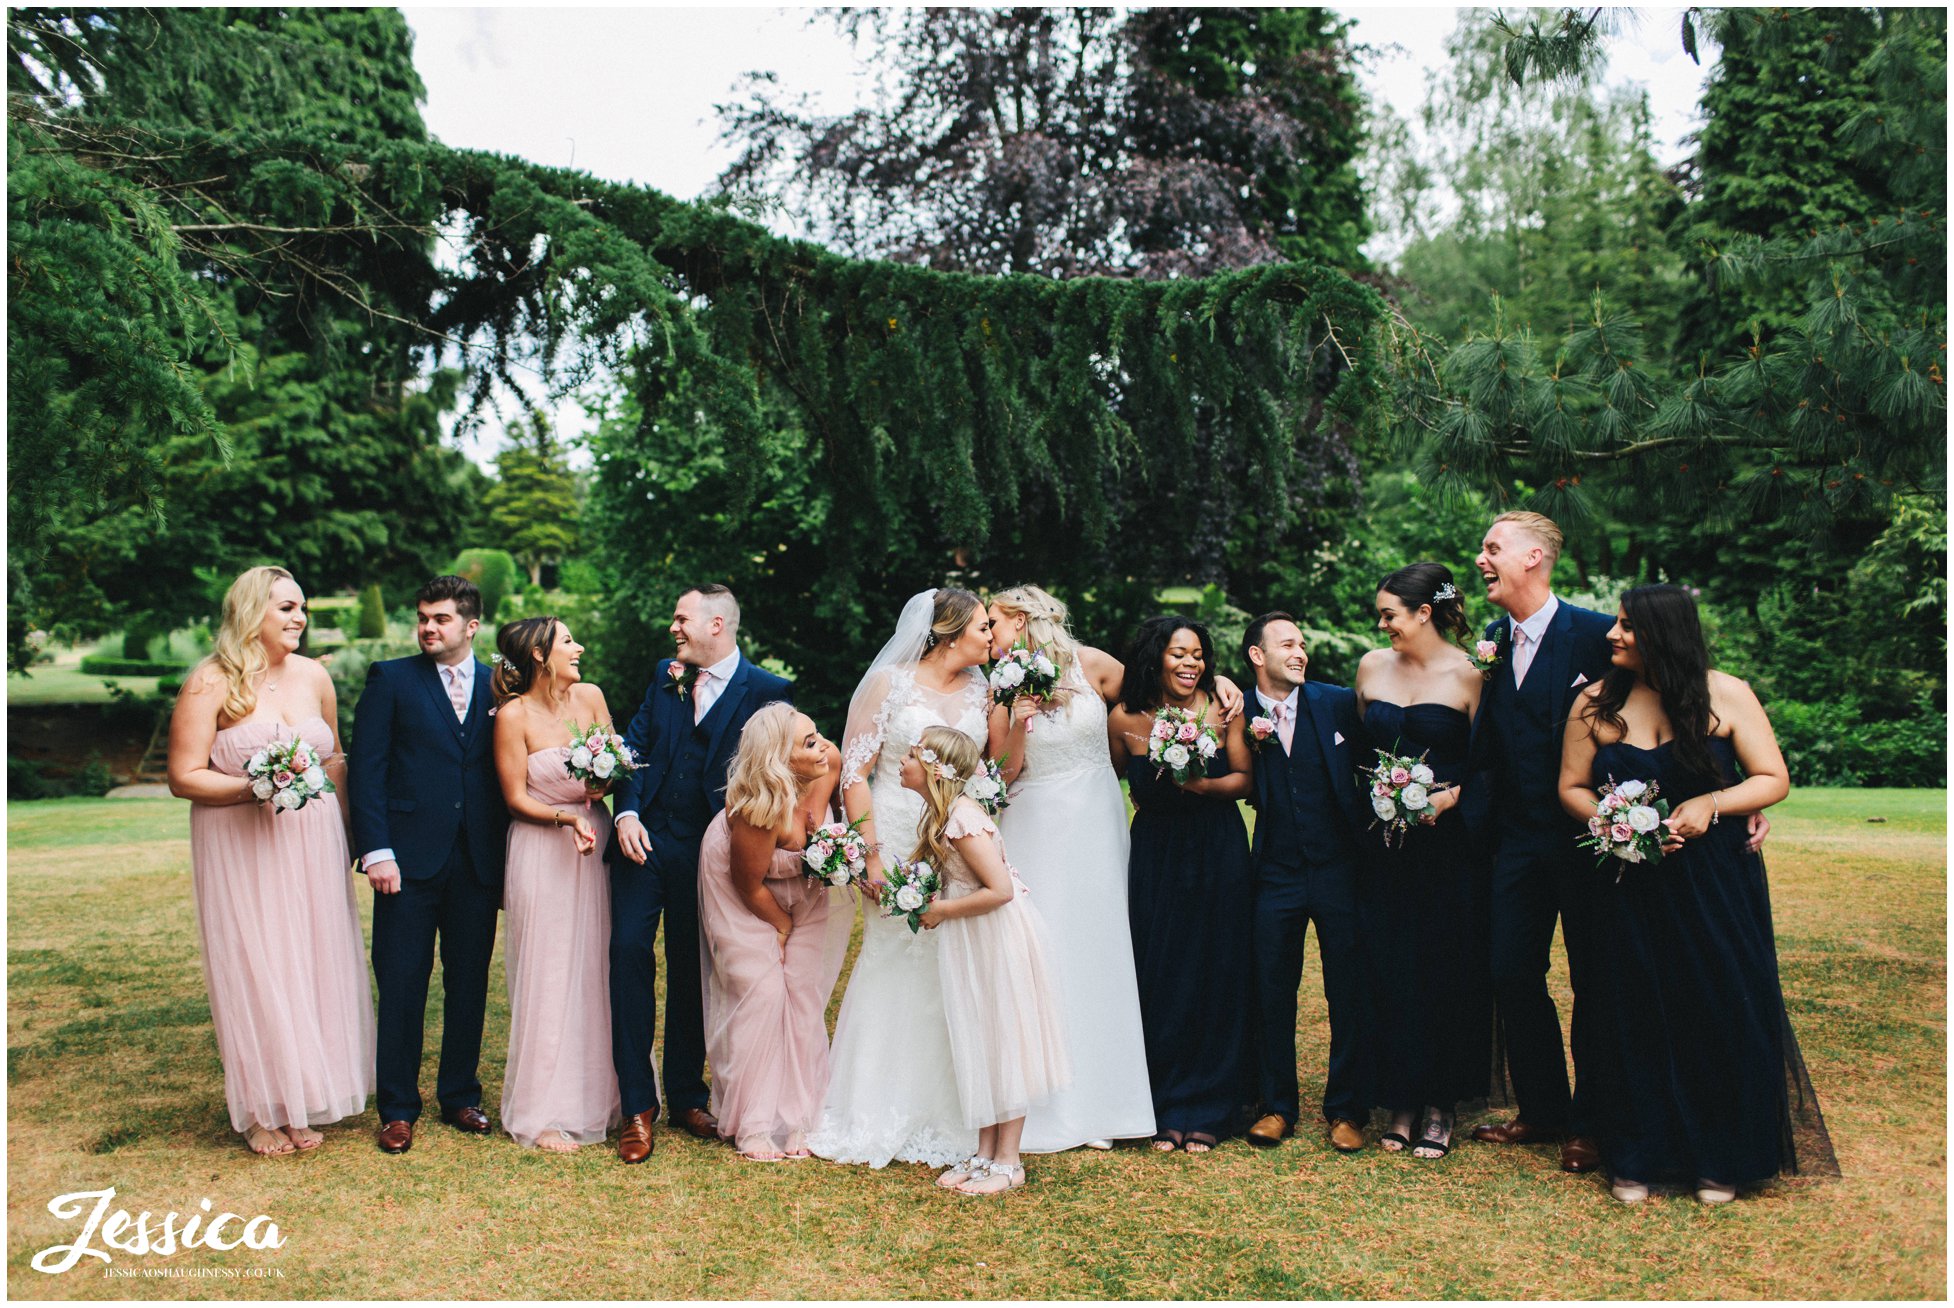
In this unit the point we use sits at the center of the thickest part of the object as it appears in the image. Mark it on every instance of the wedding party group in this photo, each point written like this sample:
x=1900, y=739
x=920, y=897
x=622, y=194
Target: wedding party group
x=1037, y=970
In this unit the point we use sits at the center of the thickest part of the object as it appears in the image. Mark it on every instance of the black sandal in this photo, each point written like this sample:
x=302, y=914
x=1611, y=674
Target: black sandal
x=1171, y=1139
x=1428, y=1139
x=1202, y=1138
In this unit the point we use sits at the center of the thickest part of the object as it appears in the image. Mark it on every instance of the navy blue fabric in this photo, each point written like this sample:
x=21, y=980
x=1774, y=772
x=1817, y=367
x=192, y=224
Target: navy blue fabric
x=676, y=794
x=424, y=785
x=1190, y=903
x=1305, y=867
x=1432, y=1046
x=1539, y=875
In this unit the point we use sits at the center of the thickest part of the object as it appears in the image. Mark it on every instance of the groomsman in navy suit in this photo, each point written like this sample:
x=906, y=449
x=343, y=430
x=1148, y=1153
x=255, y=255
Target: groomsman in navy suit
x=1308, y=815
x=684, y=734
x=428, y=812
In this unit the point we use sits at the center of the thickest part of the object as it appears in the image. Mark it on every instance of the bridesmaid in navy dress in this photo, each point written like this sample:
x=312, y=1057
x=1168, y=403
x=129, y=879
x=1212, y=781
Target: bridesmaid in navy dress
x=1415, y=904
x=1694, y=1032
x=1191, y=893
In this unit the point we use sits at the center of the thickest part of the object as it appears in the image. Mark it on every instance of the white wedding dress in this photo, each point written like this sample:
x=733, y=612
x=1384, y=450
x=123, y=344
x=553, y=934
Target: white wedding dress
x=1067, y=832
x=892, y=1087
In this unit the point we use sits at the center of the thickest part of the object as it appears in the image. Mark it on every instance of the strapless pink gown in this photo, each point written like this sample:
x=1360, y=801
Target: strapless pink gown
x=557, y=939
x=766, y=1037
x=284, y=961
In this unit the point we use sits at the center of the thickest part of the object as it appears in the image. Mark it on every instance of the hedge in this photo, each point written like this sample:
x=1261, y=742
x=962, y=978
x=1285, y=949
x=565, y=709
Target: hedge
x=102, y=665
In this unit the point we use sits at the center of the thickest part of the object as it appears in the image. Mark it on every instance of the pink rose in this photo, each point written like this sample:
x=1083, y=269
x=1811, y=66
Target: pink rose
x=1263, y=728
x=1162, y=729
x=1400, y=777
x=1596, y=826
x=1622, y=833
x=1487, y=649
x=1381, y=788
x=282, y=777
x=1188, y=732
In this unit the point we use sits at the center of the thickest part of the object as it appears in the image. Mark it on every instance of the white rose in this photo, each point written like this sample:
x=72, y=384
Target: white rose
x=1421, y=774
x=259, y=761
x=315, y=779
x=1631, y=789
x=1043, y=666
x=603, y=765
x=1383, y=807
x=1414, y=796
x=909, y=899
x=838, y=877
x=1629, y=854
x=1207, y=746
x=1644, y=819
x=1009, y=676
x=1176, y=756
x=980, y=787
x=580, y=757
x=262, y=787
x=286, y=799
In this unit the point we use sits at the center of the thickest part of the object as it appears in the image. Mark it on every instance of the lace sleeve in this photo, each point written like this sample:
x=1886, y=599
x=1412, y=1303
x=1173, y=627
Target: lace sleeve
x=868, y=722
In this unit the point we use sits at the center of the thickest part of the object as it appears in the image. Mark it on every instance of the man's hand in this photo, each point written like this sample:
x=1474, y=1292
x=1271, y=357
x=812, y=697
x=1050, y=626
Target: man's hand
x=384, y=877
x=1758, y=827
x=631, y=838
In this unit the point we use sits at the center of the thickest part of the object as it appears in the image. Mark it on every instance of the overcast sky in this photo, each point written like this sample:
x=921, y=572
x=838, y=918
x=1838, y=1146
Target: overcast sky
x=627, y=93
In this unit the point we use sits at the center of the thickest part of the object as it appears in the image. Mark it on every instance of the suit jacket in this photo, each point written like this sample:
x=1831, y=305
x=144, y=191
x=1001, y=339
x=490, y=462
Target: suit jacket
x=664, y=720
x=1331, y=712
x=1573, y=654
x=421, y=780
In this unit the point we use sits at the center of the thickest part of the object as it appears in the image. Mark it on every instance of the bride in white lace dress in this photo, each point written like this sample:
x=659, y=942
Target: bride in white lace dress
x=892, y=1090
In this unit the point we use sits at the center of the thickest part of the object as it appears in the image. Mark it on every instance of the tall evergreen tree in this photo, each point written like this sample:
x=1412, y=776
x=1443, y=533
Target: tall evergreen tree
x=532, y=508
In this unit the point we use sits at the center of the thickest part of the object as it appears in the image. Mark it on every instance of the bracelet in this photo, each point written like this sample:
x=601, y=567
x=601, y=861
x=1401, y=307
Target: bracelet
x=1716, y=806
x=556, y=817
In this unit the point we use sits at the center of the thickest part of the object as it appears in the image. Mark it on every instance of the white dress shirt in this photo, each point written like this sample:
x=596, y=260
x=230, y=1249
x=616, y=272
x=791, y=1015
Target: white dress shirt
x=1286, y=725
x=1528, y=635
x=705, y=691
x=464, y=672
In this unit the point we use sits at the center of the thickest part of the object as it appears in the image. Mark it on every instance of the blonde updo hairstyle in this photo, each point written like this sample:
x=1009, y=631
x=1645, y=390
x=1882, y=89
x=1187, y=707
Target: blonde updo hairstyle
x=761, y=788
x=940, y=793
x=1047, y=625
x=238, y=652
x=522, y=653
x=953, y=612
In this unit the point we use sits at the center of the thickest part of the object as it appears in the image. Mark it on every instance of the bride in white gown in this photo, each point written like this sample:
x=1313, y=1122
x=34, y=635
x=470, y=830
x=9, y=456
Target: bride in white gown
x=892, y=1090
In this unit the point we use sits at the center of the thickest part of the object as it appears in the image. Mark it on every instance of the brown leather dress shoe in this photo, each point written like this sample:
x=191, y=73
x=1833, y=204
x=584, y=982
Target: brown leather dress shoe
x=1579, y=1154
x=1345, y=1136
x=1270, y=1131
x=1513, y=1132
x=472, y=1120
x=634, y=1146
x=699, y=1123
x=396, y=1137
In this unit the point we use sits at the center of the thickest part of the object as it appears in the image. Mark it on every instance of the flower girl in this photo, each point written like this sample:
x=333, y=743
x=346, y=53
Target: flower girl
x=998, y=987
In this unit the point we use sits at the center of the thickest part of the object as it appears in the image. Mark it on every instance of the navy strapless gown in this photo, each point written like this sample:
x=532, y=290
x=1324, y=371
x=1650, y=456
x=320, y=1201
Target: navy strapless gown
x=1419, y=913
x=1699, y=1058
x=1190, y=900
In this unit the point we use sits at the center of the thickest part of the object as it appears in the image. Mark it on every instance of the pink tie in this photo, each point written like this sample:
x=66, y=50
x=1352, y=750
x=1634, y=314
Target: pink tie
x=1522, y=655
x=1285, y=726
x=699, y=702
x=456, y=695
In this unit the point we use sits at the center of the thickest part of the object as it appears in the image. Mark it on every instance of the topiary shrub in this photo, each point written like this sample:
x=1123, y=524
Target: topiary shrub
x=102, y=665
x=494, y=573
x=373, y=613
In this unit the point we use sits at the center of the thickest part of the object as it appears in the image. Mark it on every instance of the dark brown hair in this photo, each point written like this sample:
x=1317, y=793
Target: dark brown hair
x=467, y=598
x=1675, y=665
x=518, y=645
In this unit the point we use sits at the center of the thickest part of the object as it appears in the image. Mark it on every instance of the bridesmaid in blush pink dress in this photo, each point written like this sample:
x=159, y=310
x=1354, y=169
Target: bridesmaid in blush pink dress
x=559, y=1090
x=766, y=961
x=283, y=959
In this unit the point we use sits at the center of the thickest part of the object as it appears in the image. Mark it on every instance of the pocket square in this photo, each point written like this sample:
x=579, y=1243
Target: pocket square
x=1579, y=677
x=1338, y=735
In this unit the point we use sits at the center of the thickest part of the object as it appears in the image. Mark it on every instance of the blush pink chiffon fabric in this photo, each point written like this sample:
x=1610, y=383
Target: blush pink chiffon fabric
x=283, y=959
x=766, y=1034
x=557, y=940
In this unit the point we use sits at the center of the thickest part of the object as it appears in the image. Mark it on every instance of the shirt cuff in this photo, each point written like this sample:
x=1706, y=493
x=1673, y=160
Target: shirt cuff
x=626, y=813
x=377, y=856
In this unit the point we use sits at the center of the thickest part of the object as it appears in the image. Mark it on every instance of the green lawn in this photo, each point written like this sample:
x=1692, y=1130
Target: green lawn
x=113, y=1081
x=70, y=685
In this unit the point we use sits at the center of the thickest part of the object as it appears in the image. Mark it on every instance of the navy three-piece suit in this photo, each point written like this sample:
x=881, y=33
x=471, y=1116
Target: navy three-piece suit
x=676, y=793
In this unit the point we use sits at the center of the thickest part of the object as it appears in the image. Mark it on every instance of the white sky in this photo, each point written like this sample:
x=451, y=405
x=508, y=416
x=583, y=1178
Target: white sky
x=627, y=93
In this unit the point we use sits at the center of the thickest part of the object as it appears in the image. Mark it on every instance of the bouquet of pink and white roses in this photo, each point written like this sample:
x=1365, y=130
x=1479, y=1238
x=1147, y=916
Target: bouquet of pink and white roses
x=911, y=888
x=287, y=774
x=1181, y=745
x=837, y=853
x=1627, y=823
x=1022, y=670
x=598, y=754
x=988, y=787
x=1401, y=793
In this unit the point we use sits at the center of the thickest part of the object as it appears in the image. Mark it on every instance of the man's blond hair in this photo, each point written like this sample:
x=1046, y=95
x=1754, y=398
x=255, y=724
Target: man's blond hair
x=1539, y=526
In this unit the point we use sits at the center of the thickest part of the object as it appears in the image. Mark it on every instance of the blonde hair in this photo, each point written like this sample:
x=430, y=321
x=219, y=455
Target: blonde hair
x=238, y=653
x=951, y=614
x=940, y=794
x=761, y=788
x=1545, y=532
x=1046, y=621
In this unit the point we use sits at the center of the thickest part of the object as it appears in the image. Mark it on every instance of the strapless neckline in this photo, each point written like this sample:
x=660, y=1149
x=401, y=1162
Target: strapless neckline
x=1423, y=704
x=289, y=726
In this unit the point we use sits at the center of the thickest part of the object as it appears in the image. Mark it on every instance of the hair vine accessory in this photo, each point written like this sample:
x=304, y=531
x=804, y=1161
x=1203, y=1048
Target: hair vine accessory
x=1445, y=592
x=926, y=754
x=946, y=771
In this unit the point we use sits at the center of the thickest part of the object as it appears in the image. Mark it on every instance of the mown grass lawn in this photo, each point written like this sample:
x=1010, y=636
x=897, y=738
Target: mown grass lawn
x=114, y=1081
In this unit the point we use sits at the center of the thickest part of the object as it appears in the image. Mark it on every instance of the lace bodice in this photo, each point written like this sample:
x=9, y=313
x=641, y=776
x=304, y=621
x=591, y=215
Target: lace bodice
x=907, y=709
x=1064, y=741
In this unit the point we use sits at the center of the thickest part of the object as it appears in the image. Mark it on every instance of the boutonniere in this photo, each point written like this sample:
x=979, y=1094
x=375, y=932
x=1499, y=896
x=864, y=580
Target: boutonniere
x=1261, y=730
x=1487, y=655
x=682, y=676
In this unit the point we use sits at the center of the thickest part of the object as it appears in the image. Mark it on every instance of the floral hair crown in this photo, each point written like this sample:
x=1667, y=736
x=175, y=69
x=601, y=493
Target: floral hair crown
x=1445, y=592
x=945, y=771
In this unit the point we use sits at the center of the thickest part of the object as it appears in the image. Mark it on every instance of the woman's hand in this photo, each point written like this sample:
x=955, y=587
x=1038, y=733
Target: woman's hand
x=873, y=877
x=595, y=790
x=1026, y=707
x=1686, y=821
x=780, y=934
x=1444, y=799
x=584, y=834
x=932, y=917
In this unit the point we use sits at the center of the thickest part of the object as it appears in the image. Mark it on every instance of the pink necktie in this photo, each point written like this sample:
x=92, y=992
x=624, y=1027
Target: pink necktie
x=1285, y=726
x=456, y=695
x=1522, y=654
x=700, y=703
